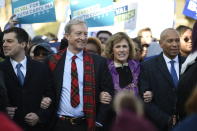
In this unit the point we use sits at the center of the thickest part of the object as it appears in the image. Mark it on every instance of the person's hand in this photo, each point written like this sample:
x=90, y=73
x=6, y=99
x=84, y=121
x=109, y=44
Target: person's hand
x=13, y=21
x=31, y=119
x=105, y=97
x=172, y=121
x=45, y=103
x=148, y=96
x=11, y=111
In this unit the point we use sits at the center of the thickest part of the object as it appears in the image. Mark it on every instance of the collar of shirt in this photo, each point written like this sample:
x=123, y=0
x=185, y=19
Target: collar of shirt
x=70, y=55
x=176, y=64
x=167, y=60
x=23, y=67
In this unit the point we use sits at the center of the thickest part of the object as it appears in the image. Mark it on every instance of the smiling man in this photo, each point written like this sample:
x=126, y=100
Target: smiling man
x=26, y=81
x=160, y=75
x=79, y=78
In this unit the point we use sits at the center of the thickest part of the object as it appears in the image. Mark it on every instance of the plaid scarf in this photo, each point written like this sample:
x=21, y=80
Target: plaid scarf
x=89, y=106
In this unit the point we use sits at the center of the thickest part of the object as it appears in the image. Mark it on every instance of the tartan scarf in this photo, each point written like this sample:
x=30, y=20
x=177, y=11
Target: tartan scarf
x=89, y=106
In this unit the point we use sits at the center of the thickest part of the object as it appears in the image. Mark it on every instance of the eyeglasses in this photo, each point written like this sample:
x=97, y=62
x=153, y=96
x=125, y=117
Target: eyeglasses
x=186, y=39
x=171, y=40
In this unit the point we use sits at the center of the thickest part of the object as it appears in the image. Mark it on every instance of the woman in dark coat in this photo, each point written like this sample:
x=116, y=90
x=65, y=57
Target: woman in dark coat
x=188, y=79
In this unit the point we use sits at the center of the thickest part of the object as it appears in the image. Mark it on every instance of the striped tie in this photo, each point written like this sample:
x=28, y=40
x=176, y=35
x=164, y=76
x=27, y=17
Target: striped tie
x=173, y=73
x=74, y=84
x=20, y=74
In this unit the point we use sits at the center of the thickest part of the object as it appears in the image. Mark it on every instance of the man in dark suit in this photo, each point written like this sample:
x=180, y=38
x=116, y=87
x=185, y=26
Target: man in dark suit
x=92, y=78
x=27, y=85
x=3, y=94
x=156, y=77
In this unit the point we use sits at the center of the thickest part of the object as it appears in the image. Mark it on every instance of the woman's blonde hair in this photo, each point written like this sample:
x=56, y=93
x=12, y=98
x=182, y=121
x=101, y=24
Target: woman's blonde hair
x=114, y=39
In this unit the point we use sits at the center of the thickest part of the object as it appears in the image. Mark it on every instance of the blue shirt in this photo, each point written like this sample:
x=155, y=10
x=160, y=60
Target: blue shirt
x=65, y=107
x=23, y=67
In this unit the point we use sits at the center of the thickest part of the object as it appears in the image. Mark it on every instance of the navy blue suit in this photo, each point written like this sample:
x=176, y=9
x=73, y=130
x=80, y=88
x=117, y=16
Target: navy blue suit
x=156, y=77
x=3, y=93
x=27, y=98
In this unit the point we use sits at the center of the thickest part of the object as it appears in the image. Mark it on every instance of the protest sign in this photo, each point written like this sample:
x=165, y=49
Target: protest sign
x=125, y=15
x=34, y=11
x=190, y=9
x=95, y=12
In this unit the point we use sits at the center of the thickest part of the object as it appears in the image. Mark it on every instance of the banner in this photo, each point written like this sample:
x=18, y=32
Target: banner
x=2, y=3
x=132, y=16
x=34, y=11
x=125, y=15
x=95, y=12
x=190, y=9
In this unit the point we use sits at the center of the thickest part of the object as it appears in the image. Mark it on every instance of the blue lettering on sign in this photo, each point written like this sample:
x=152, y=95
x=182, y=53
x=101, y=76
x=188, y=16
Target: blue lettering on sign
x=121, y=10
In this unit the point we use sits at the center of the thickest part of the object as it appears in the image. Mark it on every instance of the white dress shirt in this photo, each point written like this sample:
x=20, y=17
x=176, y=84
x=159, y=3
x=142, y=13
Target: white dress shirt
x=176, y=63
x=23, y=67
x=65, y=107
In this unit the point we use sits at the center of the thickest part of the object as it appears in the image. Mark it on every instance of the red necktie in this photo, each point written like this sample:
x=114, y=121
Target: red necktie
x=74, y=83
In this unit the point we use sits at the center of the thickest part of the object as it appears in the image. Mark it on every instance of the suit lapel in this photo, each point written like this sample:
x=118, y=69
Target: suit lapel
x=9, y=68
x=164, y=69
x=58, y=74
x=181, y=60
x=29, y=71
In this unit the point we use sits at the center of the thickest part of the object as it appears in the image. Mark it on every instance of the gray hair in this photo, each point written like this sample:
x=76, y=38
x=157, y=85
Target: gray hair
x=71, y=23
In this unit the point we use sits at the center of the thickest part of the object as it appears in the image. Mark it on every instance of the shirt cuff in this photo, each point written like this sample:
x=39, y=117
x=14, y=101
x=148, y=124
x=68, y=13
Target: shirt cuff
x=99, y=124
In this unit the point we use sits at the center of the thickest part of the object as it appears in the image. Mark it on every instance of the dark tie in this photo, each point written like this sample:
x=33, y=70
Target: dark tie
x=20, y=74
x=173, y=73
x=74, y=83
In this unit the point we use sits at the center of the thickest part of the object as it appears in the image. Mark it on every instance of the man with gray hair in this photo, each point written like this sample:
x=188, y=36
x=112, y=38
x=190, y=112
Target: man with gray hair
x=79, y=78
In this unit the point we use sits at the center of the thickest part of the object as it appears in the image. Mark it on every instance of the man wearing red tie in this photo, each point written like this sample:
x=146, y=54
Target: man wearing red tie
x=79, y=78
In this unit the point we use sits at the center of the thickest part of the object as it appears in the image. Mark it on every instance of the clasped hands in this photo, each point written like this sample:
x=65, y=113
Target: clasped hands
x=106, y=98
x=31, y=118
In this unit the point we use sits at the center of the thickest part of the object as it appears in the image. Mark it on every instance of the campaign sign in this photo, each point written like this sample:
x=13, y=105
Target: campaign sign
x=190, y=9
x=95, y=12
x=34, y=11
x=2, y=3
x=126, y=14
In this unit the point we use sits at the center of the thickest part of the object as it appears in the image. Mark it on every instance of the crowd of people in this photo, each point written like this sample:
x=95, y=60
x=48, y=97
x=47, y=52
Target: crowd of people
x=107, y=82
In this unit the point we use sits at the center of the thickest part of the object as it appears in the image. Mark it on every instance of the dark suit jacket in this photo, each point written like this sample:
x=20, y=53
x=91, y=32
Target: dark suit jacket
x=188, y=124
x=28, y=98
x=187, y=84
x=3, y=93
x=155, y=77
x=102, y=77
